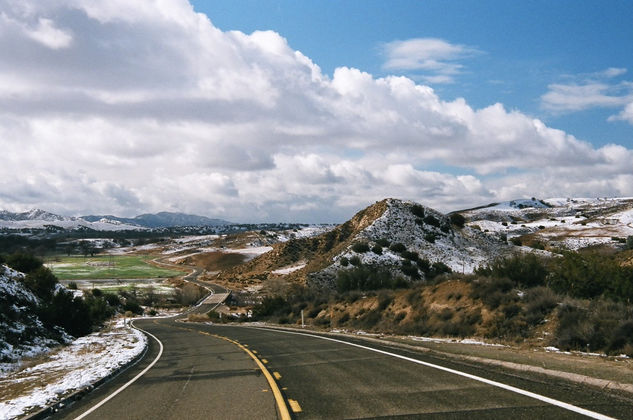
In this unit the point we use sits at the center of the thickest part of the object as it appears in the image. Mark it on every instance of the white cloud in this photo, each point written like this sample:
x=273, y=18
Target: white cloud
x=595, y=90
x=149, y=107
x=438, y=58
x=47, y=34
x=625, y=115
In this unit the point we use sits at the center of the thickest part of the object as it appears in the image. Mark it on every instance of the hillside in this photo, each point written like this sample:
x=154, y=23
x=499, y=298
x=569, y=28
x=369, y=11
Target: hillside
x=404, y=238
x=161, y=220
x=22, y=333
x=40, y=219
x=570, y=223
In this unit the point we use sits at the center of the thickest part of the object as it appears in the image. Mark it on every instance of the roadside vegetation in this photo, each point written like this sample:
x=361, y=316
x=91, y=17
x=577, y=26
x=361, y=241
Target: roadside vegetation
x=576, y=301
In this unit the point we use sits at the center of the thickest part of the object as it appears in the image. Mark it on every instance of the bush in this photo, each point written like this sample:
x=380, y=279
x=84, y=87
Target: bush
x=431, y=220
x=133, y=306
x=429, y=237
x=63, y=310
x=355, y=261
x=364, y=278
x=411, y=271
x=527, y=270
x=383, y=242
x=360, y=247
x=457, y=220
x=410, y=255
x=377, y=249
x=344, y=261
x=41, y=281
x=24, y=263
x=539, y=302
x=398, y=247
x=493, y=292
x=270, y=306
x=417, y=210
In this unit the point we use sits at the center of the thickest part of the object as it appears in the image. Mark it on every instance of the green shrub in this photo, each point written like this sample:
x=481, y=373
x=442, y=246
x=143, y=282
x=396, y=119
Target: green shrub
x=431, y=220
x=410, y=255
x=527, y=270
x=360, y=247
x=23, y=262
x=457, y=220
x=417, y=210
x=398, y=247
x=355, y=261
x=42, y=282
x=377, y=249
x=383, y=242
x=429, y=237
x=344, y=261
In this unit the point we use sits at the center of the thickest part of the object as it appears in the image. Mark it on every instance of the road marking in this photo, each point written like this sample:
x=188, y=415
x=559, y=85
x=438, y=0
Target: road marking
x=294, y=405
x=131, y=381
x=284, y=414
x=277, y=375
x=264, y=361
x=510, y=388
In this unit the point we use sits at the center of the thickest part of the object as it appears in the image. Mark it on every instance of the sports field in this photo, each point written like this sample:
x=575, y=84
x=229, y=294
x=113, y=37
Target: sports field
x=108, y=267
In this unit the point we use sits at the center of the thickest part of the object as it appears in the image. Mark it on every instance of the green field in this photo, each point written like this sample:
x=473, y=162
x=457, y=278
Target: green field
x=107, y=267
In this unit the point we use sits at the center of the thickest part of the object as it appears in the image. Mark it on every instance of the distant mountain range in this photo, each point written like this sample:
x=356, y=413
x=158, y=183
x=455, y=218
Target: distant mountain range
x=37, y=219
x=162, y=219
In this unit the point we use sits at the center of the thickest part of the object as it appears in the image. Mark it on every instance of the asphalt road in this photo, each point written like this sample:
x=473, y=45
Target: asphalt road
x=202, y=376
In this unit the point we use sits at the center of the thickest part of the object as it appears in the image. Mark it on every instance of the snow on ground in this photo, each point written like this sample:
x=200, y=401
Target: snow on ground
x=455, y=340
x=78, y=365
x=288, y=270
x=249, y=252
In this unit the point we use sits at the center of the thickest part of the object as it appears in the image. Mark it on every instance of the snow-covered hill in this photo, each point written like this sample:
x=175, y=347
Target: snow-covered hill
x=40, y=219
x=561, y=222
x=22, y=334
x=402, y=237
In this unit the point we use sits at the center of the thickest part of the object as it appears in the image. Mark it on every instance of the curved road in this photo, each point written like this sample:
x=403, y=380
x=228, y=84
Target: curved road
x=200, y=375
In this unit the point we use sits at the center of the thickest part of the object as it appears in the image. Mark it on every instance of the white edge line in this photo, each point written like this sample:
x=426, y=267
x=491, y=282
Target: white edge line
x=131, y=381
x=539, y=397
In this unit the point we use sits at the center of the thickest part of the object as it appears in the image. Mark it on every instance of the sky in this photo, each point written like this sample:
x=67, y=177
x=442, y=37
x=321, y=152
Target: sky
x=309, y=111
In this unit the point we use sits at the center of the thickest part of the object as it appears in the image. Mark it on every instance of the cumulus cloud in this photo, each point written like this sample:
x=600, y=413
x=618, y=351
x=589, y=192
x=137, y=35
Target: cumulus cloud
x=438, y=58
x=131, y=107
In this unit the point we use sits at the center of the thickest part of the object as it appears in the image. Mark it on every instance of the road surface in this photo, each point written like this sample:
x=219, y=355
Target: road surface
x=202, y=375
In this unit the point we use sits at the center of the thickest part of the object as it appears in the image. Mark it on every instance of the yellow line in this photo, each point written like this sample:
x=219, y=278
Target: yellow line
x=279, y=399
x=277, y=375
x=264, y=361
x=294, y=405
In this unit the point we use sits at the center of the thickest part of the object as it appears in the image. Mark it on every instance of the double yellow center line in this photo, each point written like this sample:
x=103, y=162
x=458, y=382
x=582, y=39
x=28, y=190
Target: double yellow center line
x=279, y=399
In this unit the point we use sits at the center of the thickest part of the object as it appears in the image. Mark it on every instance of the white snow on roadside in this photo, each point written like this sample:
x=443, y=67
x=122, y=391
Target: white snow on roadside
x=454, y=340
x=78, y=365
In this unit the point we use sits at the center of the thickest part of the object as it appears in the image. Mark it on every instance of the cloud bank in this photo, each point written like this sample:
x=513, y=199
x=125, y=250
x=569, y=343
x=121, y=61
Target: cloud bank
x=127, y=107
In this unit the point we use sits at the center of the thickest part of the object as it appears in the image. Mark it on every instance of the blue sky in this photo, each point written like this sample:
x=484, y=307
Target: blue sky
x=308, y=111
x=521, y=47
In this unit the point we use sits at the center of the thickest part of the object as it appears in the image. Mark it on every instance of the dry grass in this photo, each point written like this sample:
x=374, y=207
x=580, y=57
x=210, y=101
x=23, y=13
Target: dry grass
x=215, y=261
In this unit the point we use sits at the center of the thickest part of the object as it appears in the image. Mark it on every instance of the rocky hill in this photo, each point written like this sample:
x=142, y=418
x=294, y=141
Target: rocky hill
x=401, y=237
x=570, y=223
